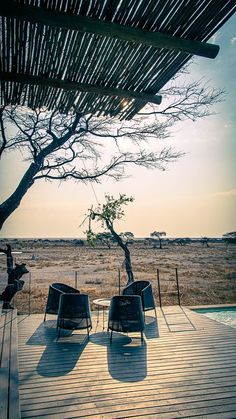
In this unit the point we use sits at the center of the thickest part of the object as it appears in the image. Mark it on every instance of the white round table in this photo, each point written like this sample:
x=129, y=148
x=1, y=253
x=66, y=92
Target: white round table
x=102, y=303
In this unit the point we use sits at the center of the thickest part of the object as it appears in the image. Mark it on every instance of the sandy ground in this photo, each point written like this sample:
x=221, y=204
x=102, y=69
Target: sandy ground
x=207, y=275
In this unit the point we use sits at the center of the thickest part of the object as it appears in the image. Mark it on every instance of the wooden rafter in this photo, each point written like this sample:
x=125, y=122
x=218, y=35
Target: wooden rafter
x=79, y=23
x=80, y=87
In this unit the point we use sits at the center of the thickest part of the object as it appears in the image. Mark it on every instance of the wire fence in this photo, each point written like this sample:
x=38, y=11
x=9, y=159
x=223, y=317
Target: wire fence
x=32, y=298
x=170, y=287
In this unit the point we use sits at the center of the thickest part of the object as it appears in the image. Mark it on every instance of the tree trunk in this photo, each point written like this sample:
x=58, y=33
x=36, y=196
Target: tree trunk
x=9, y=206
x=128, y=264
x=15, y=284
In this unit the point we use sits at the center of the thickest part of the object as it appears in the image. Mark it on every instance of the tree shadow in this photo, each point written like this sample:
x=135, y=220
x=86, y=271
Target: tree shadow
x=60, y=356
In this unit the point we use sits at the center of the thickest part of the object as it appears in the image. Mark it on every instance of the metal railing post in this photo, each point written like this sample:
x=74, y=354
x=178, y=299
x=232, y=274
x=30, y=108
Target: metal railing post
x=177, y=284
x=76, y=279
x=119, y=281
x=159, y=287
x=29, y=302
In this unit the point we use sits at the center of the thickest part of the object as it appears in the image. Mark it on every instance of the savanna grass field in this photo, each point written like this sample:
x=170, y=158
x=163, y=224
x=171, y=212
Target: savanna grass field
x=207, y=275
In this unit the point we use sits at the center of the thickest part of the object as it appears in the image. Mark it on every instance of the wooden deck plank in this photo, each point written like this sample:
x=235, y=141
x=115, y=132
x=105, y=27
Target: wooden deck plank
x=4, y=372
x=14, y=401
x=185, y=373
x=5, y=359
x=76, y=399
x=9, y=385
x=169, y=387
x=134, y=410
x=154, y=390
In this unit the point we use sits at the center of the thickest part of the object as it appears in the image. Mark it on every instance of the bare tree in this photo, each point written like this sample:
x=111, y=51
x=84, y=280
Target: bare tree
x=62, y=147
x=159, y=235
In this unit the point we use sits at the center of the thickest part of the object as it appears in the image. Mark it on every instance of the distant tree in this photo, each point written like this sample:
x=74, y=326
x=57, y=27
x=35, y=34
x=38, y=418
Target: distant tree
x=229, y=238
x=158, y=235
x=148, y=241
x=127, y=237
x=107, y=213
x=79, y=242
x=178, y=241
x=205, y=241
x=105, y=238
x=181, y=241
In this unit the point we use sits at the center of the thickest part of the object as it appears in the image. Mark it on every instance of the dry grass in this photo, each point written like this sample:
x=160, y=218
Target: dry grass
x=206, y=275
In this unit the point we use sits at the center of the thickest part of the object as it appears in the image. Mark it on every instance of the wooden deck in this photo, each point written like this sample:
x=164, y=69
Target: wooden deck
x=186, y=368
x=9, y=385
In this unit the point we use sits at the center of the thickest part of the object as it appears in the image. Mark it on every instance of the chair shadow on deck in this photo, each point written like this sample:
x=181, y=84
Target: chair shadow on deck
x=151, y=328
x=59, y=356
x=126, y=356
x=127, y=362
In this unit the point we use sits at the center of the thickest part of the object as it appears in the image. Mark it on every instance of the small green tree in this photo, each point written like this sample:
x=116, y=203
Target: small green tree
x=159, y=235
x=107, y=213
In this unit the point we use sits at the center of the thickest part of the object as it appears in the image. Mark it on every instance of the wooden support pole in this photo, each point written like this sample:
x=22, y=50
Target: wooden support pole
x=80, y=87
x=79, y=23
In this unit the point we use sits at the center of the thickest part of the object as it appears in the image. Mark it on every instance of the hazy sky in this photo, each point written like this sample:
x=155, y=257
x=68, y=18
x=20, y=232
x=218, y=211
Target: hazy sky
x=195, y=197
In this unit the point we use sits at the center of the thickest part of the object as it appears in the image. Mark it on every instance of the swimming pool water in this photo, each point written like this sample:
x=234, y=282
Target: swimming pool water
x=225, y=315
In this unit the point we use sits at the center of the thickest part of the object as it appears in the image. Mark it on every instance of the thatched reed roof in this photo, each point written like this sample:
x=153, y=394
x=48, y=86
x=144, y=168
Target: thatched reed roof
x=108, y=57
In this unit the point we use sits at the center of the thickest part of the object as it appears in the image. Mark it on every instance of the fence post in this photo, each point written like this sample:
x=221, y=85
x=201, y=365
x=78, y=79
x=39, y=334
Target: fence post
x=29, y=302
x=159, y=287
x=119, y=280
x=177, y=284
x=76, y=279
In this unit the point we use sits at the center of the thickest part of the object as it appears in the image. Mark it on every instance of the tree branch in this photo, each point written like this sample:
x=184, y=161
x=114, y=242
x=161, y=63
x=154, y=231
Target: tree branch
x=2, y=128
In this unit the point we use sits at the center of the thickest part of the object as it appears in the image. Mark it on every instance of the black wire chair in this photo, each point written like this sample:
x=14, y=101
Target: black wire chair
x=54, y=292
x=74, y=313
x=144, y=290
x=126, y=315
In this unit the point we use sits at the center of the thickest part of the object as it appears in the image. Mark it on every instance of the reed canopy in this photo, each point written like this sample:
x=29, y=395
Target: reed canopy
x=104, y=57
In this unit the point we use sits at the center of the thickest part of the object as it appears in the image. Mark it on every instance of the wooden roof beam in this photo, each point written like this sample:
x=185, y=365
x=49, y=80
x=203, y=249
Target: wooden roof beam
x=80, y=87
x=79, y=23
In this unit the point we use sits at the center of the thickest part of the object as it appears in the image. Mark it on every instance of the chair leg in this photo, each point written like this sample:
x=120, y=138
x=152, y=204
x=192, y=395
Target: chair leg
x=142, y=340
x=87, y=328
x=155, y=312
x=111, y=336
x=58, y=332
x=45, y=316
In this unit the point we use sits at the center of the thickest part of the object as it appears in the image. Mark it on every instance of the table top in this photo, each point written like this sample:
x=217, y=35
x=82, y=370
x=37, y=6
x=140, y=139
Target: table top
x=103, y=302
